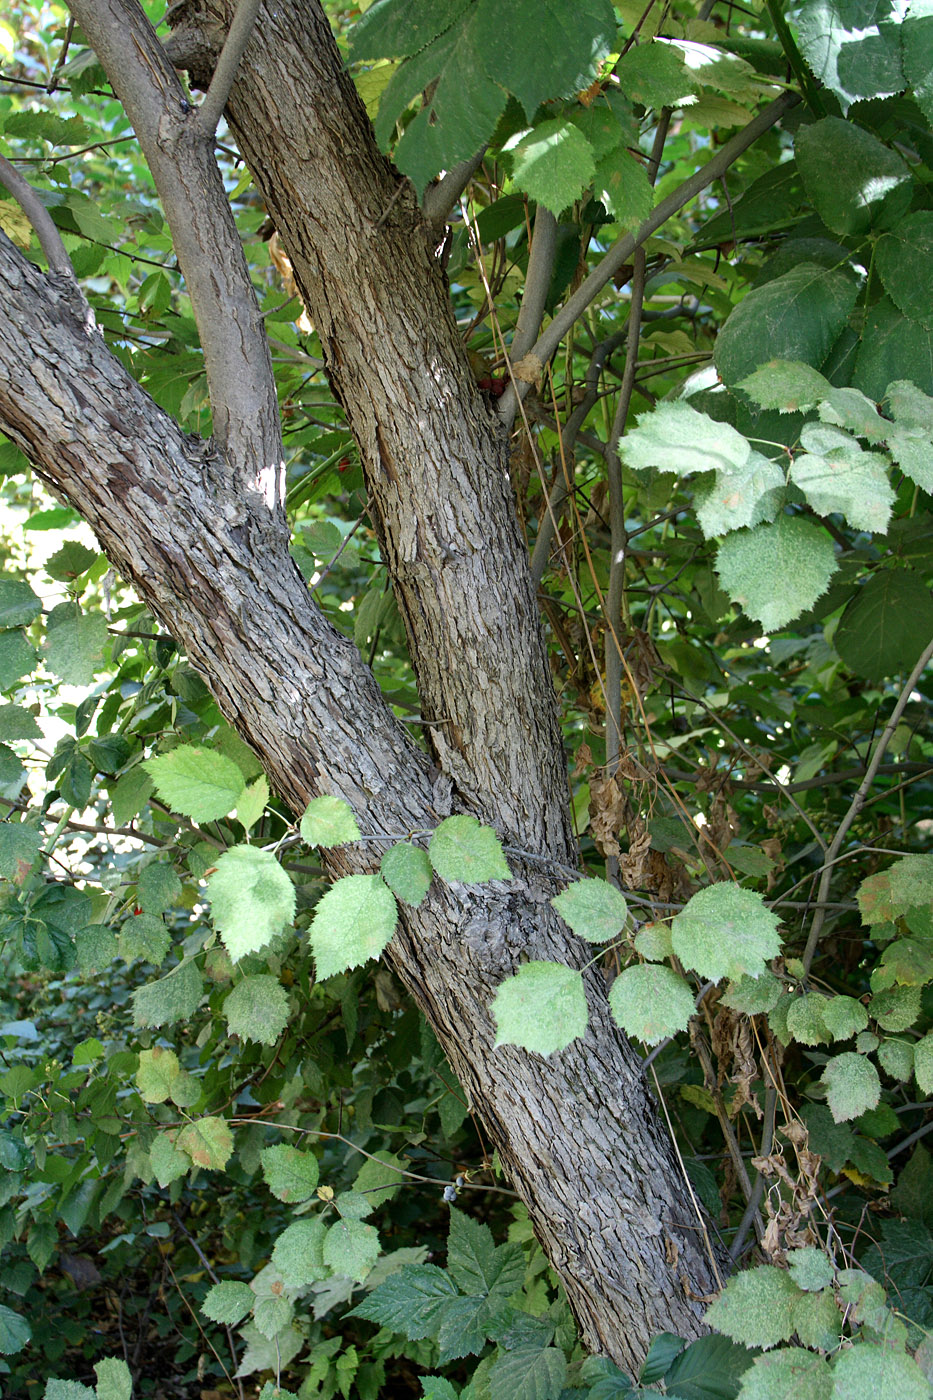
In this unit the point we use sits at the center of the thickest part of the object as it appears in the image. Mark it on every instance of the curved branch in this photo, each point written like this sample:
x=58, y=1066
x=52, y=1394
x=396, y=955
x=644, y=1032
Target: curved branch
x=50, y=240
x=537, y=283
x=440, y=199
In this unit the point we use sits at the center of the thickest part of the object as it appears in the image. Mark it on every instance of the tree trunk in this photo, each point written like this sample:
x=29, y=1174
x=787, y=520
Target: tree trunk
x=577, y=1131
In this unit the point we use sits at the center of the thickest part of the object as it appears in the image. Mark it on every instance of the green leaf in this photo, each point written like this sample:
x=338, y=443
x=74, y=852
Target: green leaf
x=805, y=1019
x=257, y=1009
x=895, y=1009
x=167, y=1162
x=407, y=871
x=539, y=48
x=228, y=1302
x=711, y=1368
x=291, y=1175
x=198, y=783
x=849, y=176
x=329, y=821
x=651, y=1002
x=157, y=1072
x=676, y=438
x=463, y=1328
x=528, y=1373
x=892, y=347
x=144, y=936
x=917, y=39
x=253, y=803
x=411, y=1301
x=850, y=481
x=605, y=1380
x=923, y=1063
x=18, y=604
x=790, y=1372
x=622, y=186
x=380, y=1178
x=113, y=1379
x=391, y=30
x=157, y=888
x=299, y=1253
x=14, y=1331
x=208, y=1142
x=273, y=1314
x=775, y=572
x=19, y=848
x=542, y=1008
x=129, y=794
x=553, y=164
x=844, y=1016
x=353, y=922
x=790, y=386
x=725, y=931
x=746, y=496
x=75, y=646
x=852, y=1085
x=17, y=658
x=896, y=1058
x=653, y=942
x=881, y=1372
x=798, y=316
x=594, y=909
x=71, y=561
x=848, y=51
x=351, y=1247
x=252, y=899
x=809, y=1268
x=68, y=1390
x=474, y=1262
x=655, y=75
x=174, y=997
x=18, y=723
x=464, y=850
x=886, y=624
x=753, y=994
x=903, y=258
x=756, y=1307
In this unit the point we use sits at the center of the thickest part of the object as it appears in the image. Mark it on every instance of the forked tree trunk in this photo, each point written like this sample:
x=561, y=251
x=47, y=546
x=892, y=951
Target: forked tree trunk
x=578, y=1131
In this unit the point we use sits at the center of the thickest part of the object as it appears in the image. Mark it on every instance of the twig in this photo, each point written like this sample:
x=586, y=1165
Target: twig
x=858, y=802
x=215, y=100
x=537, y=285
x=62, y=57
x=621, y=252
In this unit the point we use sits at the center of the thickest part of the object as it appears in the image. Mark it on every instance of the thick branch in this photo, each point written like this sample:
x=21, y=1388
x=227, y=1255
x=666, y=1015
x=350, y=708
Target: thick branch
x=50, y=240
x=210, y=254
x=212, y=108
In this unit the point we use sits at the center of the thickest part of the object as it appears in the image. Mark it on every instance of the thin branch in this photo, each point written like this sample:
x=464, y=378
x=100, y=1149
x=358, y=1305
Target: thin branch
x=621, y=252
x=439, y=199
x=537, y=285
x=858, y=801
x=48, y=235
x=751, y=1216
x=212, y=108
x=844, y=775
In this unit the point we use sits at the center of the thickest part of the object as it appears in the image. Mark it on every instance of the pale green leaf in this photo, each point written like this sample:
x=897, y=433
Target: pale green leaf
x=895, y=1009
x=257, y=1009
x=299, y=1253
x=923, y=1063
x=817, y=1318
x=746, y=496
x=896, y=1058
x=408, y=872
x=291, y=1175
x=263, y=1354
x=756, y=1307
x=158, y=887
x=157, y=1072
x=129, y=794
x=844, y=1016
x=805, y=1019
x=789, y=1374
x=380, y=1177
x=553, y=164
x=167, y=1162
x=677, y=438
x=18, y=604
x=849, y=408
x=19, y=846
x=542, y=1008
x=95, y=948
x=655, y=75
x=852, y=1085
x=272, y=1315
x=143, y=936
x=775, y=572
x=852, y=482
x=594, y=909
x=790, y=386
x=351, y=1247
x=17, y=658
x=14, y=1331
x=725, y=931
x=352, y=1205
x=252, y=899
x=809, y=1268
x=253, y=802
x=75, y=648
x=622, y=186
x=329, y=821
x=174, y=997
x=412, y=1301
x=353, y=922
x=653, y=942
x=114, y=1381
x=208, y=1142
x=753, y=994
x=914, y=457
x=199, y=783
x=869, y=1371
x=228, y=1302
x=462, y=849
x=68, y=1390
x=16, y=723
x=912, y=409
x=651, y=1002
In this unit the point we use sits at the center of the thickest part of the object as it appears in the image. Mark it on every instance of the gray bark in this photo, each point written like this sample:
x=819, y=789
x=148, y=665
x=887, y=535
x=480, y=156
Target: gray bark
x=578, y=1132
